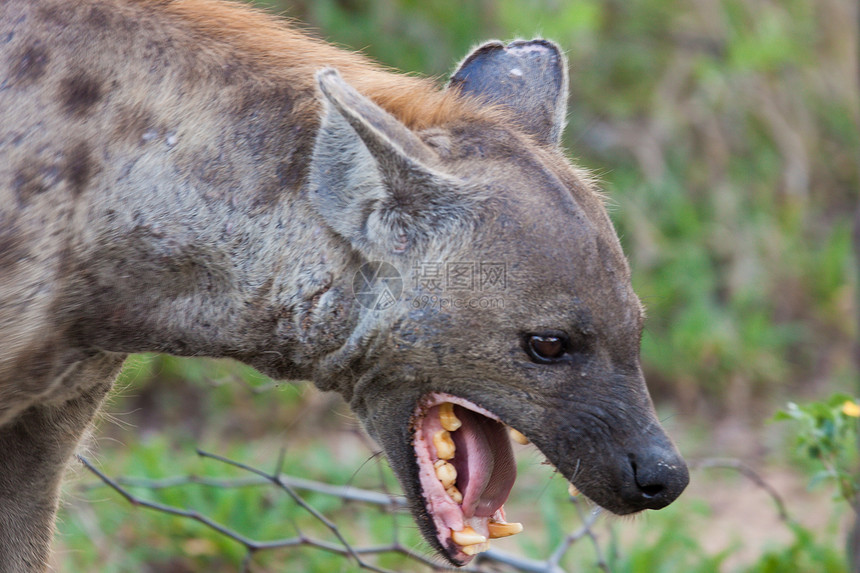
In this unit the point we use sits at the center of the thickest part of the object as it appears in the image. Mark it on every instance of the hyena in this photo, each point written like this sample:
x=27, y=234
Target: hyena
x=193, y=177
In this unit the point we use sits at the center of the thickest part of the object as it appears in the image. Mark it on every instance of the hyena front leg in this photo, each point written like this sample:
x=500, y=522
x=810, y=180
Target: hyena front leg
x=36, y=447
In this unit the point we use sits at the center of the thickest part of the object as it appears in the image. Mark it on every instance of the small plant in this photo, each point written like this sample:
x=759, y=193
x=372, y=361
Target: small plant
x=827, y=435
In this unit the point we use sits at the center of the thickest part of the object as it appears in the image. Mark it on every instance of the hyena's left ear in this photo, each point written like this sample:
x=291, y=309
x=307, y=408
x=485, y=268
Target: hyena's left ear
x=372, y=179
x=528, y=77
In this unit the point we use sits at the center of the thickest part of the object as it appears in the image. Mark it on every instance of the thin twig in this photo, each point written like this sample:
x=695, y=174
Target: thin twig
x=275, y=479
x=347, y=493
x=584, y=530
x=747, y=471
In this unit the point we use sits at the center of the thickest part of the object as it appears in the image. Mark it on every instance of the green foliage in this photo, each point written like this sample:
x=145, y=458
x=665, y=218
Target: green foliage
x=108, y=534
x=675, y=547
x=674, y=541
x=827, y=434
x=806, y=554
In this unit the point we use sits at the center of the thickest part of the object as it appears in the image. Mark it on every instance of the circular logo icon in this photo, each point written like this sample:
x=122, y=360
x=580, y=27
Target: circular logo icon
x=377, y=285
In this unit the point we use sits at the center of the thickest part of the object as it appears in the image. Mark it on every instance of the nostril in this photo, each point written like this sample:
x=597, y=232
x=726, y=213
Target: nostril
x=650, y=491
x=647, y=487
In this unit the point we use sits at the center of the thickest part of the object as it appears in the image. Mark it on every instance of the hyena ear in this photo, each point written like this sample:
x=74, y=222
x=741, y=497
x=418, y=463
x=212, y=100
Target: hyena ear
x=528, y=77
x=371, y=178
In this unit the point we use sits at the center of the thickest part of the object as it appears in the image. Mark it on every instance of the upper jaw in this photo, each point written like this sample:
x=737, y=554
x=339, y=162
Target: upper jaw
x=465, y=472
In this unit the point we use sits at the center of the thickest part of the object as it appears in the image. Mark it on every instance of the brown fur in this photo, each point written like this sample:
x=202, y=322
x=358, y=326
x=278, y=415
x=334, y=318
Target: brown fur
x=263, y=40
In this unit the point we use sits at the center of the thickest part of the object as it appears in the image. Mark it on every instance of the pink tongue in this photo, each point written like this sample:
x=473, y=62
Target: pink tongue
x=486, y=470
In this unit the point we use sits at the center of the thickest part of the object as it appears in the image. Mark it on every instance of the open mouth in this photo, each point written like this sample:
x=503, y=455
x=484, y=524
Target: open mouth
x=466, y=468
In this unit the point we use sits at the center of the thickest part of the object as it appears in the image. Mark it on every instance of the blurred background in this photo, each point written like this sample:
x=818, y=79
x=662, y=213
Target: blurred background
x=725, y=134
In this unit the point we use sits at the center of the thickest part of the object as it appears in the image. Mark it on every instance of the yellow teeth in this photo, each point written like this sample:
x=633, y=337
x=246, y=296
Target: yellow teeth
x=470, y=541
x=475, y=549
x=518, y=437
x=449, y=420
x=498, y=530
x=445, y=473
x=444, y=445
x=454, y=494
x=571, y=489
x=467, y=537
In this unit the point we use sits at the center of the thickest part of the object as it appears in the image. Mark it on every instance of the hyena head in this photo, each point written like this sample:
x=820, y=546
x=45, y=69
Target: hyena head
x=498, y=296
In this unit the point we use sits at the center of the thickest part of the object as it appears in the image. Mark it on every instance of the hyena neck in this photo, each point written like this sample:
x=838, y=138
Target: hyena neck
x=197, y=249
x=267, y=292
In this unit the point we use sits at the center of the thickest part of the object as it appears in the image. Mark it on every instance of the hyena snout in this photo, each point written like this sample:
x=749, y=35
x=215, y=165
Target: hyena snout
x=654, y=477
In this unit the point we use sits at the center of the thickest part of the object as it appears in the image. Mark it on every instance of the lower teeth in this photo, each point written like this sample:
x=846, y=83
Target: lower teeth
x=498, y=530
x=475, y=549
x=467, y=537
x=444, y=445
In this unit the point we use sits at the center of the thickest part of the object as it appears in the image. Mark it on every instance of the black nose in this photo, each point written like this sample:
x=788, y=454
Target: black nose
x=658, y=478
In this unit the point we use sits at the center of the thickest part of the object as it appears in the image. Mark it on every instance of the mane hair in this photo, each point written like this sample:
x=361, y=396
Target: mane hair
x=267, y=42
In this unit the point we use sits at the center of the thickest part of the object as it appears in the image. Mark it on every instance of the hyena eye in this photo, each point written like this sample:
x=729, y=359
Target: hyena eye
x=546, y=348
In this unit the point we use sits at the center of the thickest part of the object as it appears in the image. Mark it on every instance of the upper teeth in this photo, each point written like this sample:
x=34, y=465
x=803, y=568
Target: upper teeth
x=518, y=437
x=444, y=445
x=448, y=418
x=446, y=473
x=454, y=494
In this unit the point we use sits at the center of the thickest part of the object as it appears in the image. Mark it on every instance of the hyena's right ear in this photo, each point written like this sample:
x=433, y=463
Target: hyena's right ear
x=527, y=77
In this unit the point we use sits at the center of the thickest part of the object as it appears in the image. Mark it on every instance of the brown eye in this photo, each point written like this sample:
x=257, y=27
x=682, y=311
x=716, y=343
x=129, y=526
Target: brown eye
x=546, y=348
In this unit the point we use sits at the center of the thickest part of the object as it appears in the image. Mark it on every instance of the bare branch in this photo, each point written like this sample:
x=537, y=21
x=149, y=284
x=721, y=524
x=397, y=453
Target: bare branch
x=747, y=471
x=347, y=493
